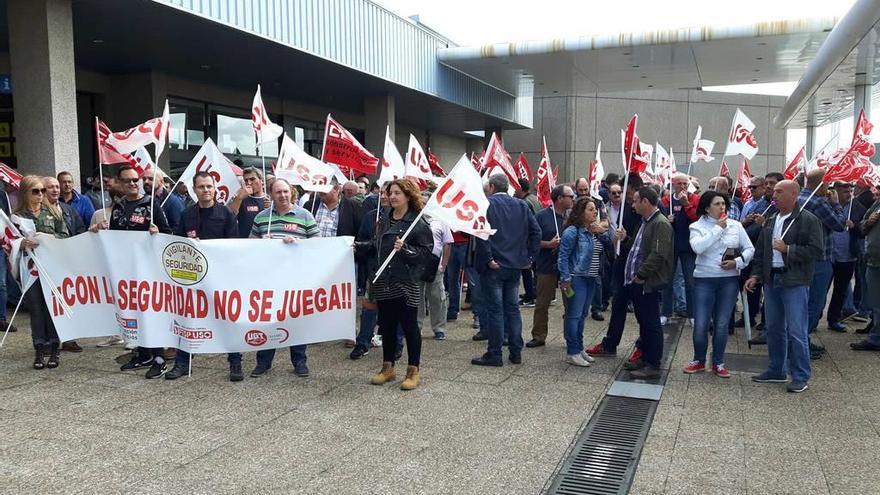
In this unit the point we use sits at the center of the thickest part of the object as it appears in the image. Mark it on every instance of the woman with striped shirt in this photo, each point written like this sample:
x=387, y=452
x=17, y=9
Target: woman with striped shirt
x=581, y=253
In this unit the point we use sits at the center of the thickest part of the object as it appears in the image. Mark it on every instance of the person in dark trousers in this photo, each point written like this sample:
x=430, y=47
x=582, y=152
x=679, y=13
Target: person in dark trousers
x=647, y=271
x=872, y=277
x=681, y=211
x=47, y=220
x=500, y=261
x=397, y=290
x=527, y=299
x=846, y=249
x=132, y=212
x=790, y=244
x=206, y=220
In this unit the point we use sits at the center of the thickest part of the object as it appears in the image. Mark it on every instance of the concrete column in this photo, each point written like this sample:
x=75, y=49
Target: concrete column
x=379, y=114
x=862, y=100
x=44, y=86
x=811, y=141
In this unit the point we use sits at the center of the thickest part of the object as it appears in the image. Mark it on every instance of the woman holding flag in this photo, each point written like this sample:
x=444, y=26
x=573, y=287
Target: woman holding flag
x=397, y=290
x=33, y=206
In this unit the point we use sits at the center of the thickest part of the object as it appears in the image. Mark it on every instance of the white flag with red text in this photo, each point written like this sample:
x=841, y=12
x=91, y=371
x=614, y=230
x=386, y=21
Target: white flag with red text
x=211, y=160
x=392, y=163
x=741, y=140
x=302, y=169
x=497, y=156
x=460, y=201
x=153, y=131
x=344, y=150
x=664, y=166
x=546, y=177
x=702, y=149
x=417, y=165
x=264, y=130
x=597, y=173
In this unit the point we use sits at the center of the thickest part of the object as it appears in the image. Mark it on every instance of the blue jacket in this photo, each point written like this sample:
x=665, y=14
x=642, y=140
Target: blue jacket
x=517, y=238
x=576, y=246
x=82, y=205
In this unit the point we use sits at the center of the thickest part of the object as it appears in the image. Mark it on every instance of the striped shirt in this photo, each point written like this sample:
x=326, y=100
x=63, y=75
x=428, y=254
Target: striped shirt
x=297, y=222
x=596, y=261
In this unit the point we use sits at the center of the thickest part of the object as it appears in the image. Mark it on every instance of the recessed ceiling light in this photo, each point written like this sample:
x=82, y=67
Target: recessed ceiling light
x=204, y=66
x=635, y=66
x=555, y=92
x=756, y=70
x=759, y=58
x=644, y=77
x=97, y=41
x=754, y=80
x=650, y=85
x=626, y=53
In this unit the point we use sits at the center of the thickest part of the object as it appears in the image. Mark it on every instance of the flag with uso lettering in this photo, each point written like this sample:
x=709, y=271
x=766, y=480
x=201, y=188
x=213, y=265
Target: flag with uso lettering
x=211, y=160
x=741, y=140
x=342, y=149
x=302, y=169
x=460, y=201
x=264, y=130
x=797, y=165
x=392, y=163
x=546, y=177
x=153, y=131
x=702, y=149
x=417, y=165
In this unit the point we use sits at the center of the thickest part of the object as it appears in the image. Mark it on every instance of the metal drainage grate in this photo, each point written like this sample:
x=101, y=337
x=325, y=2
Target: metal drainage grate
x=604, y=459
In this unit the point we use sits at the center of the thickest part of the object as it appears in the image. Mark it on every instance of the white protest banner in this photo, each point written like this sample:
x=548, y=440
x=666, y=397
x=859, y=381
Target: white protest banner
x=211, y=160
x=166, y=291
x=302, y=169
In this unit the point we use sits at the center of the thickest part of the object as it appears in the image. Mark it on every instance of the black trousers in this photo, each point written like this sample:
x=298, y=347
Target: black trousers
x=619, y=303
x=842, y=275
x=647, y=310
x=394, y=313
x=43, y=331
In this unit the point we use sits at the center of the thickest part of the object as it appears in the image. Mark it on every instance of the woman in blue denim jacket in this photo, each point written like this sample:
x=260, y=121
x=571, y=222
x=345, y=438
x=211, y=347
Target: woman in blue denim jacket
x=580, y=259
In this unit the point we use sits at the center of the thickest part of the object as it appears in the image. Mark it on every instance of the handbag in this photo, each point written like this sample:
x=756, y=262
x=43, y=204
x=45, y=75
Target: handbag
x=432, y=264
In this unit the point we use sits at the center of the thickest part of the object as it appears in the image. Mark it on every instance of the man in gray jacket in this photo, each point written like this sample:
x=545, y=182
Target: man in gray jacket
x=872, y=276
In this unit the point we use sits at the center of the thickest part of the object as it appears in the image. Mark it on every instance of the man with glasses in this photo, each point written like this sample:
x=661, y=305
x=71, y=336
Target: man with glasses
x=250, y=200
x=133, y=212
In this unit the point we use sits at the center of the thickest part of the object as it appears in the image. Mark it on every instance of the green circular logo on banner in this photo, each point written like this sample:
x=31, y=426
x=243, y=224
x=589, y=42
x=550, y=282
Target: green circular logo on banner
x=183, y=263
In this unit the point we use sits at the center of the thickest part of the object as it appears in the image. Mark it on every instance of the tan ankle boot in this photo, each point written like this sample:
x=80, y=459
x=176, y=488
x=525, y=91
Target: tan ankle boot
x=412, y=378
x=386, y=375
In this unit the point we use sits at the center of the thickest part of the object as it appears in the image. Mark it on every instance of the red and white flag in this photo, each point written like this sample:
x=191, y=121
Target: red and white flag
x=141, y=161
x=302, y=169
x=264, y=130
x=460, y=201
x=417, y=165
x=10, y=176
x=477, y=162
x=497, y=156
x=392, y=164
x=797, y=165
x=211, y=160
x=153, y=131
x=434, y=163
x=861, y=141
x=664, y=165
x=643, y=161
x=597, y=173
x=107, y=154
x=741, y=140
x=724, y=171
x=522, y=168
x=702, y=149
x=743, y=180
x=633, y=157
x=546, y=178
x=342, y=149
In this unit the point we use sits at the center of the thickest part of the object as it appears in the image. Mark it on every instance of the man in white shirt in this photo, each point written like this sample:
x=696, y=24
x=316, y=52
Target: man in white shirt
x=434, y=293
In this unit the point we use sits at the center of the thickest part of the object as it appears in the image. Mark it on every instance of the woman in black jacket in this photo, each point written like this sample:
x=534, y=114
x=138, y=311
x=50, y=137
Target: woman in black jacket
x=397, y=290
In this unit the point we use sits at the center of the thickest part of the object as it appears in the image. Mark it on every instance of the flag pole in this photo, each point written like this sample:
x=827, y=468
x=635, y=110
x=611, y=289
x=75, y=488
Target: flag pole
x=627, y=162
x=849, y=213
x=393, y=252
x=9, y=326
x=269, y=228
x=168, y=196
x=100, y=166
x=799, y=210
x=53, y=287
x=152, y=194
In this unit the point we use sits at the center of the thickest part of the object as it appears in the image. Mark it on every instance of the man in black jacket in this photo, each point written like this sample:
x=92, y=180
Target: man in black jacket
x=336, y=215
x=846, y=248
x=206, y=220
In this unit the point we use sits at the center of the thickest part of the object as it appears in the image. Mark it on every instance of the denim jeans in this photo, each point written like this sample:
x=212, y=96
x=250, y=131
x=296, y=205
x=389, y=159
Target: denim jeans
x=714, y=299
x=578, y=310
x=182, y=358
x=646, y=306
x=297, y=354
x=368, y=325
x=596, y=303
x=501, y=303
x=818, y=293
x=872, y=299
x=688, y=263
x=478, y=299
x=860, y=300
x=453, y=277
x=785, y=326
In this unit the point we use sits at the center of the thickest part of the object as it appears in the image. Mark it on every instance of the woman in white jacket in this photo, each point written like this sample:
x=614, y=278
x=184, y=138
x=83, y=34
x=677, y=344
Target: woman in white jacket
x=723, y=248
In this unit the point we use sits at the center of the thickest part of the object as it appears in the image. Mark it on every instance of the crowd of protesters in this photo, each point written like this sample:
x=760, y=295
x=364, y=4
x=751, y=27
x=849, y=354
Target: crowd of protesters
x=661, y=253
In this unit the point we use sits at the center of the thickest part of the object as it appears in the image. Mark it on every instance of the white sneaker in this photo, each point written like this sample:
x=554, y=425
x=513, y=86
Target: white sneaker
x=587, y=357
x=376, y=341
x=663, y=320
x=576, y=360
x=111, y=341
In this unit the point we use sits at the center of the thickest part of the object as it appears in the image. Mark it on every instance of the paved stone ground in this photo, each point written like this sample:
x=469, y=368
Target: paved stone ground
x=733, y=436
x=88, y=428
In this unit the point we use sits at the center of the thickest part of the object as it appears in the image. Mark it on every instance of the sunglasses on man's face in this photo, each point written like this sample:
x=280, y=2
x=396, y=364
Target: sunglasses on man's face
x=36, y=191
x=129, y=181
x=754, y=187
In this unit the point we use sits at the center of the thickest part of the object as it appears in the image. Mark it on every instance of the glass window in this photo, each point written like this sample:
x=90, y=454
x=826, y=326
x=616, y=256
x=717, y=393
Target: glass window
x=235, y=135
x=187, y=131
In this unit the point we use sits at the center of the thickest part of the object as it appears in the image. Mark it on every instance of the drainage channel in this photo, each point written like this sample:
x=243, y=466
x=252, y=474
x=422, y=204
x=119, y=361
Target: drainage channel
x=604, y=458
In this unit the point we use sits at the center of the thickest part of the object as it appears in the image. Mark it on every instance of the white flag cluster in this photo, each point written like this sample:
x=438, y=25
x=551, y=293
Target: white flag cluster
x=211, y=160
x=153, y=131
x=302, y=169
x=460, y=202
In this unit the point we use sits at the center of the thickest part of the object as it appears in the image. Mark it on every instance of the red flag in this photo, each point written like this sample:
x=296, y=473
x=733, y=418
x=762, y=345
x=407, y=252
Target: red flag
x=847, y=173
x=497, y=156
x=107, y=154
x=797, y=165
x=632, y=153
x=10, y=176
x=742, y=182
x=546, y=178
x=522, y=168
x=434, y=163
x=861, y=141
x=724, y=171
x=343, y=150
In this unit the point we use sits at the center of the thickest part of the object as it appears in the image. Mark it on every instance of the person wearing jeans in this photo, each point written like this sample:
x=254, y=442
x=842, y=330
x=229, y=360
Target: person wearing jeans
x=723, y=249
x=681, y=210
x=786, y=253
x=500, y=260
x=871, y=296
x=454, y=269
x=581, y=255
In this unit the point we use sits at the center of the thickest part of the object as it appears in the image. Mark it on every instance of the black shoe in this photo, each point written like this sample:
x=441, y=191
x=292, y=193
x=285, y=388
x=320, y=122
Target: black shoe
x=597, y=316
x=478, y=337
x=398, y=354
x=816, y=347
x=864, y=345
x=865, y=331
x=485, y=360
x=301, y=369
x=515, y=358
x=632, y=366
x=740, y=323
x=136, y=363
x=451, y=317
x=156, y=370
x=527, y=303
x=759, y=339
x=815, y=355
x=797, y=387
x=259, y=371
x=767, y=377
x=39, y=359
x=358, y=352
x=176, y=372
x=535, y=343
x=235, y=373
x=54, y=360
x=645, y=373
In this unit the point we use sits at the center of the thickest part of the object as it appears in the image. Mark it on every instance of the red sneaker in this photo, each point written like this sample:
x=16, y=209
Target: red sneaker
x=720, y=370
x=694, y=367
x=635, y=357
x=598, y=350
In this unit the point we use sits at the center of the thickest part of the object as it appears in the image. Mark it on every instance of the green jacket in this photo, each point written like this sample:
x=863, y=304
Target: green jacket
x=656, y=251
x=872, y=237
